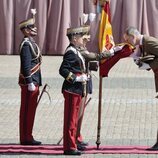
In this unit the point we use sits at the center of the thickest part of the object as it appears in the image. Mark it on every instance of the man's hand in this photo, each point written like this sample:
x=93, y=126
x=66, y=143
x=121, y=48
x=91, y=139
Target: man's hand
x=118, y=48
x=31, y=87
x=115, y=49
x=138, y=62
x=82, y=78
x=105, y=55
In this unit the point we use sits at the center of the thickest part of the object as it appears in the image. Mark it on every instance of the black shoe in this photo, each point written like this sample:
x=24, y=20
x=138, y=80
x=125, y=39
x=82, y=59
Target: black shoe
x=72, y=152
x=81, y=147
x=33, y=142
x=83, y=143
x=153, y=148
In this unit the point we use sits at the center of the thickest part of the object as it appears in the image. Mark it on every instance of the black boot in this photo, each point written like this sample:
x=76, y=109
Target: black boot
x=83, y=143
x=33, y=142
x=72, y=152
x=81, y=147
x=155, y=146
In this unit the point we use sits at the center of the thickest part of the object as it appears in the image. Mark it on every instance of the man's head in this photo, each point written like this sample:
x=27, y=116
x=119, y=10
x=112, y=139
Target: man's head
x=28, y=27
x=86, y=38
x=132, y=36
x=78, y=36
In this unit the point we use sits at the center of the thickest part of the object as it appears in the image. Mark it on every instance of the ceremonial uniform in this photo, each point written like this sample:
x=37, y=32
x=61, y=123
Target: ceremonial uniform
x=74, y=88
x=88, y=57
x=71, y=66
x=90, y=66
x=29, y=81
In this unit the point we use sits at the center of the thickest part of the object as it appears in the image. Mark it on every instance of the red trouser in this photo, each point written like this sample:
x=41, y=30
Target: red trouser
x=79, y=137
x=27, y=112
x=71, y=109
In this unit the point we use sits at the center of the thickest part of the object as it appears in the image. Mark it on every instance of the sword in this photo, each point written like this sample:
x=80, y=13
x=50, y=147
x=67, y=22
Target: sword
x=44, y=90
x=87, y=102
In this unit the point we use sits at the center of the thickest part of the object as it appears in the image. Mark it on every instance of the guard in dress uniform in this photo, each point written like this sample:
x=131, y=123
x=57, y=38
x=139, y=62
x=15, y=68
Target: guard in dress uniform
x=29, y=81
x=73, y=69
x=91, y=61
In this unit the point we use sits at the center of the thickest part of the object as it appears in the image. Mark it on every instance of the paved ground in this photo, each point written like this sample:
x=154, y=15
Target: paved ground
x=129, y=109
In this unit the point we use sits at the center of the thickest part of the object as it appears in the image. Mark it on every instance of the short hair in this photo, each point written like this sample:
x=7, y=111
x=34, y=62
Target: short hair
x=70, y=37
x=132, y=31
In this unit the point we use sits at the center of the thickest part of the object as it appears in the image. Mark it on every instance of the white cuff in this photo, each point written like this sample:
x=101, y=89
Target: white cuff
x=112, y=51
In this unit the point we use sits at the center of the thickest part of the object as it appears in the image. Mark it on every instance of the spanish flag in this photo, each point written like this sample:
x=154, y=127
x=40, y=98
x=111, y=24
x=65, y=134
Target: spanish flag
x=106, y=41
x=105, y=30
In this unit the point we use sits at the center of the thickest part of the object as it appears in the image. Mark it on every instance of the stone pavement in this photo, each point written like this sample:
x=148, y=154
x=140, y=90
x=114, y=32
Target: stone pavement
x=129, y=109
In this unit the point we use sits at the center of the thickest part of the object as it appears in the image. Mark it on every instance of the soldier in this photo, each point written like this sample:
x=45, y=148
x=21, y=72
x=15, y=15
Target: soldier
x=148, y=54
x=29, y=81
x=90, y=66
x=73, y=69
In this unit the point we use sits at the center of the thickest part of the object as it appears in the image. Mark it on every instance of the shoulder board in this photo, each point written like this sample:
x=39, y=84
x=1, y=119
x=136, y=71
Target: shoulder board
x=25, y=41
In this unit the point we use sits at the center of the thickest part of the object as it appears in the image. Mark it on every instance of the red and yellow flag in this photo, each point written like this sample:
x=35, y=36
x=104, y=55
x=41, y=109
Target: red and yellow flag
x=106, y=40
x=105, y=31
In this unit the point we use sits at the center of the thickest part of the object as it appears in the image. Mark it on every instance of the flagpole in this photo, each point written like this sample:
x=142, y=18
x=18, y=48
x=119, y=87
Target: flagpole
x=98, y=142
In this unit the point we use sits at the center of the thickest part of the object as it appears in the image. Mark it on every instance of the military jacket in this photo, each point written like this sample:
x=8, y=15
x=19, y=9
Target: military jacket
x=30, y=61
x=73, y=64
x=150, y=47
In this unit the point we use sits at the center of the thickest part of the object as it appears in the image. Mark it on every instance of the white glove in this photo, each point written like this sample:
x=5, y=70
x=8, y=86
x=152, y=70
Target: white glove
x=92, y=16
x=115, y=49
x=31, y=87
x=81, y=78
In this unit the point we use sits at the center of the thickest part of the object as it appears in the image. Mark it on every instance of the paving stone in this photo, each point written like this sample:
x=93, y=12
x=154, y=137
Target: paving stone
x=129, y=109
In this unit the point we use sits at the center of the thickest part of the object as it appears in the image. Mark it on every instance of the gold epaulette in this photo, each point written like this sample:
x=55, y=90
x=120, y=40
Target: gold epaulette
x=70, y=78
